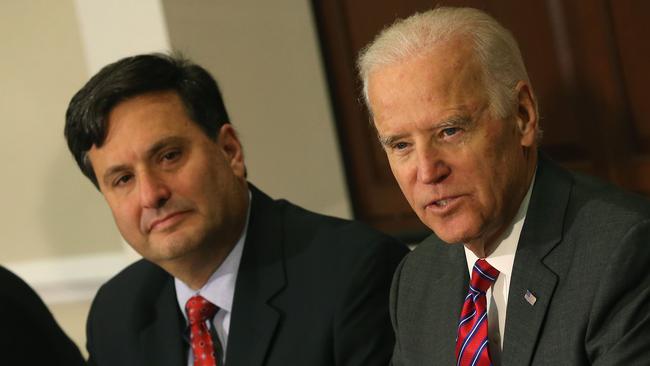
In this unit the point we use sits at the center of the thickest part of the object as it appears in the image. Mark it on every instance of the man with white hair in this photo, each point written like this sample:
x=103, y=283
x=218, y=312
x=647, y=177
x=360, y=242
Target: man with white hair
x=528, y=264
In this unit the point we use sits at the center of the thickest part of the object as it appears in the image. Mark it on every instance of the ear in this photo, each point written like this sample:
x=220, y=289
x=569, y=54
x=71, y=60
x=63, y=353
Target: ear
x=526, y=117
x=232, y=149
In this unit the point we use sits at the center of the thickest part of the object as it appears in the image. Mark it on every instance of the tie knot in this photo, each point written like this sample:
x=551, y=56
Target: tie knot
x=483, y=275
x=199, y=309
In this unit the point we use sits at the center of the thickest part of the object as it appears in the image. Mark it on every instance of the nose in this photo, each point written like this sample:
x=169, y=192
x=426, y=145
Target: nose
x=431, y=169
x=154, y=193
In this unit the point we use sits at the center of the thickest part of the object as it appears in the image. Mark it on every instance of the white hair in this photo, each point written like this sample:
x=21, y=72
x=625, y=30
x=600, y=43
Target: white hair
x=494, y=47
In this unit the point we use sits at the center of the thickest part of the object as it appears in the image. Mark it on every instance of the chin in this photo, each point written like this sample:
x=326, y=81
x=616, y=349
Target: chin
x=452, y=231
x=450, y=238
x=171, y=248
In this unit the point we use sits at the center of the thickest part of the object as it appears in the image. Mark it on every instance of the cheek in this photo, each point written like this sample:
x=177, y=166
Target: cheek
x=193, y=182
x=205, y=189
x=473, y=172
x=494, y=188
x=402, y=168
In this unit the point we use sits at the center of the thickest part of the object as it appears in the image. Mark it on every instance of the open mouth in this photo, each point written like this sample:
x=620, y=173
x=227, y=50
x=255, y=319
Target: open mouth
x=444, y=204
x=441, y=203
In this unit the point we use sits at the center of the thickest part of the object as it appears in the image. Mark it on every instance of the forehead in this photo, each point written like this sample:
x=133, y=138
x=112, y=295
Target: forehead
x=144, y=113
x=439, y=81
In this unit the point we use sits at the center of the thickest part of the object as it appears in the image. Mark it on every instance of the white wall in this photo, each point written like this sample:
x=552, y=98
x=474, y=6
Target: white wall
x=57, y=232
x=48, y=209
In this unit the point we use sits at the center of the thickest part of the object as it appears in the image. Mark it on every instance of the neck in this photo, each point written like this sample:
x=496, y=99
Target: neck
x=481, y=250
x=195, y=270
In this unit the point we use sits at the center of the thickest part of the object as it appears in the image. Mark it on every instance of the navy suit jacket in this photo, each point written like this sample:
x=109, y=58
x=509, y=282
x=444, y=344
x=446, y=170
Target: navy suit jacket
x=311, y=290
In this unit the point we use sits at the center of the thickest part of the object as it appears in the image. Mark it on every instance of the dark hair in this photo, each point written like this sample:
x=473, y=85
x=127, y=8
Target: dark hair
x=86, y=120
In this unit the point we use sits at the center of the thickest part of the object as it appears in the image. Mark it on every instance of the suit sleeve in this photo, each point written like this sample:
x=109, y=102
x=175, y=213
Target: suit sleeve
x=362, y=330
x=618, y=332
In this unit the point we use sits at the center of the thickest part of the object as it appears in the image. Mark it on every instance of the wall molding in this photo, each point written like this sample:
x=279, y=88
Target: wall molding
x=72, y=278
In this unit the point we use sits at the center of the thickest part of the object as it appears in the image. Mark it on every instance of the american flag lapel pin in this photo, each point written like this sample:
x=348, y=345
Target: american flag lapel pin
x=530, y=297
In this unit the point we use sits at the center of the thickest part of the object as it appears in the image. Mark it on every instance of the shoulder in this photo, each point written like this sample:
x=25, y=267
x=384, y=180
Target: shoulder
x=603, y=210
x=139, y=282
x=306, y=228
x=593, y=193
x=14, y=289
x=18, y=298
x=432, y=258
x=137, y=276
x=589, y=199
x=581, y=209
x=301, y=229
x=23, y=313
x=123, y=305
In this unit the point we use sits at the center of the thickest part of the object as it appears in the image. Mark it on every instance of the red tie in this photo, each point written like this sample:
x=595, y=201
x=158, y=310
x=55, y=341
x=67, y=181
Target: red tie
x=199, y=310
x=472, y=341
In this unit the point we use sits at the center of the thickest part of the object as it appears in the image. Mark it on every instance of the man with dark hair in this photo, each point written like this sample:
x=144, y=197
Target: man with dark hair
x=229, y=276
x=528, y=264
x=29, y=334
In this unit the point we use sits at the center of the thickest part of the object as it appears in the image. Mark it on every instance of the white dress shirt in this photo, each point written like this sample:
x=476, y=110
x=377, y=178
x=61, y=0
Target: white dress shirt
x=219, y=290
x=502, y=259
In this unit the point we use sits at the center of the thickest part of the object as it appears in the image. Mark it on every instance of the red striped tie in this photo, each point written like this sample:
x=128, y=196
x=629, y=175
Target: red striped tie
x=199, y=310
x=472, y=341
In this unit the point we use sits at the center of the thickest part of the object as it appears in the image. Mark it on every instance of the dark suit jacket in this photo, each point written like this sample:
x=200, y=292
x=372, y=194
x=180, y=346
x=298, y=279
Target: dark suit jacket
x=311, y=290
x=584, y=252
x=29, y=335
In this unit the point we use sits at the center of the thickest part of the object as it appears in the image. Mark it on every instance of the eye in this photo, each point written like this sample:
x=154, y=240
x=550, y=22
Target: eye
x=122, y=180
x=400, y=146
x=450, y=131
x=171, y=155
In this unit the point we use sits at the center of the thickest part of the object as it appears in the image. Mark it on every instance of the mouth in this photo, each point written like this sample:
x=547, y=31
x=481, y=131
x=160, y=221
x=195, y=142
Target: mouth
x=444, y=204
x=167, y=221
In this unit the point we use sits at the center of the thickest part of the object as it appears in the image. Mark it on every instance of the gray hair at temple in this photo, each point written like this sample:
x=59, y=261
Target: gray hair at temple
x=493, y=45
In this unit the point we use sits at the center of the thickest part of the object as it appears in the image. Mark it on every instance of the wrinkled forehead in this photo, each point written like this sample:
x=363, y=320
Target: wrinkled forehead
x=448, y=61
x=443, y=73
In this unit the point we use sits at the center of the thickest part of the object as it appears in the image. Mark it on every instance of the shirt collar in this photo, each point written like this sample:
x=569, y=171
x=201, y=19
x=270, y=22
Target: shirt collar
x=220, y=287
x=503, y=256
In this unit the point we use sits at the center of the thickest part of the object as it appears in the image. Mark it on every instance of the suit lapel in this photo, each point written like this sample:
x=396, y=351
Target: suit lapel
x=532, y=272
x=161, y=341
x=260, y=277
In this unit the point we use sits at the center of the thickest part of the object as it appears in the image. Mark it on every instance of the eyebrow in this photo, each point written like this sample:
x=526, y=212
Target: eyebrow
x=456, y=120
x=389, y=140
x=113, y=171
x=151, y=151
